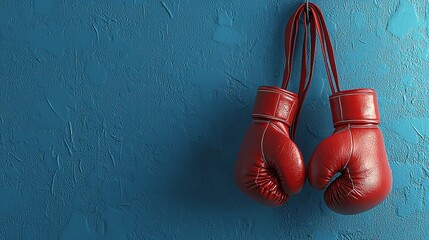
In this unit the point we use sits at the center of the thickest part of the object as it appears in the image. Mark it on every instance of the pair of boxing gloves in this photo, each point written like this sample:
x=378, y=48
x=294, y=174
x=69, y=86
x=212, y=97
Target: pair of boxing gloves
x=270, y=167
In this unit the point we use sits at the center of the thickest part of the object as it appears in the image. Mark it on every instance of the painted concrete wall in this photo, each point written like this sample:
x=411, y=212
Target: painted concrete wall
x=122, y=119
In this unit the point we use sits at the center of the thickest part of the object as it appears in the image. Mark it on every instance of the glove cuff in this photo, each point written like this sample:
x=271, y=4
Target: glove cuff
x=356, y=106
x=277, y=104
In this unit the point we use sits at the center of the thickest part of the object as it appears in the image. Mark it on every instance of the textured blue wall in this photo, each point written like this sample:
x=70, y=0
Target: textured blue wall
x=122, y=119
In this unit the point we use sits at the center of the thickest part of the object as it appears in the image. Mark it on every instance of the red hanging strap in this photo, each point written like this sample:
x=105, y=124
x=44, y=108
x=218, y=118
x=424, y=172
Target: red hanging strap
x=305, y=86
x=317, y=29
x=291, y=34
x=326, y=45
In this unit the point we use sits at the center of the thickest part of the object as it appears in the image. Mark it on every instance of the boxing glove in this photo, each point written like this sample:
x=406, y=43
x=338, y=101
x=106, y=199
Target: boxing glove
x=355, y=150
x=269, y=166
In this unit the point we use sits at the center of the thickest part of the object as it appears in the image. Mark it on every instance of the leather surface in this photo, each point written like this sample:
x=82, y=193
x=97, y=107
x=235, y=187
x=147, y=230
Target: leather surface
x=269, y=166
x=361, y=107
x=355, y=150
x=275, y=104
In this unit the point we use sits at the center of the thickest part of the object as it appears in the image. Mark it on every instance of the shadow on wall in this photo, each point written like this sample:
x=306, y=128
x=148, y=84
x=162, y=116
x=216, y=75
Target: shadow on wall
x=205, y=182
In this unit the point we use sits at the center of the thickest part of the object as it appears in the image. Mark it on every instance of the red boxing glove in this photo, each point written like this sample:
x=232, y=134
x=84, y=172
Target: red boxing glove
x=356, y=150
x=270, y=166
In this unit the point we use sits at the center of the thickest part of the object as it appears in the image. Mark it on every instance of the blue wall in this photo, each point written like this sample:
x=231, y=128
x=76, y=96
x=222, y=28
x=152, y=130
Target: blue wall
x=122, y=119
